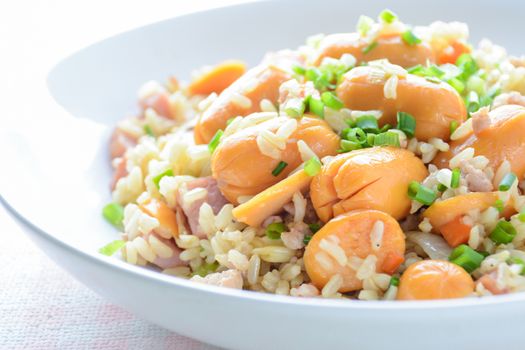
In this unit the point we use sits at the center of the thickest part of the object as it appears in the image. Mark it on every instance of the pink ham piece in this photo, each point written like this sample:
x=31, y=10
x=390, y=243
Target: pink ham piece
x=159, y=102
x=120, y=142
x=213, y=197
x=172, y=261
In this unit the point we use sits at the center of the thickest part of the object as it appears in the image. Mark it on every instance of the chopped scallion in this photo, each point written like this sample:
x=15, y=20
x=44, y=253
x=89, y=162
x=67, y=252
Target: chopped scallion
x=156, y=179
x=370, y=47
x=394, y=281
x=148, y=130
x=387, y=16
x=215, y=141
x=410, y=38
x=521, y=216
x=455, y=179
x=453, y=126
x=332, y=101
x=368, y=123
x=279, y=168
x=507, y=182
x=313, y=166
x=347, y=146
x=299, y=70
x=114, y=214
x=274, y=230
x=111, y=248
x=466, y=257
x=442, y=188
x=406, y=123
x=503, y=233
x=457, y=84
x=517, y=261
x=206, y=269
x=314, y=227
x=498, y=204
x=421, y=194
x=316, y=106
x=388, y=138
x=307, y=239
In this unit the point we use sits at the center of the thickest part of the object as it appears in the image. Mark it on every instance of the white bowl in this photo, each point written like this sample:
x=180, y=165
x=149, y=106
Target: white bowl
x=56, y=171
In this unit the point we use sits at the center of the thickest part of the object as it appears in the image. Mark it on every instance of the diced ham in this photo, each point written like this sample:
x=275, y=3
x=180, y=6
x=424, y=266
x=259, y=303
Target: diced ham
x=120, y=142
x=119, y=165
x=159, y=102
x=228, y=279
x=174, y=260
x=293, y=239
x=489, y=282
x=477, y=180
x=213, y=197
x=480, y=120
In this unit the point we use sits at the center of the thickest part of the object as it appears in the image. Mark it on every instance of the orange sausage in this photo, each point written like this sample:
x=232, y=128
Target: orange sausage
x=370, y=178
x=391, y=47
x=241, y=169
x=502, y=138
x=167, y=218
x=352, y=232
x=434, y=279
x=261, y=82
x=271, y=200
x=217, y=78
x=434, y=106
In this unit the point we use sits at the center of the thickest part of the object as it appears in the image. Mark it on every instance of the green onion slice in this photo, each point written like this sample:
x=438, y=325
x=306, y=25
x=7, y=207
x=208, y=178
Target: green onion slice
x=279, y=168
x=387, y=16
x=370, y=47
x=332, y=101
x=274, y=230
x=316, y=106
x=114, y=214
x=507, y=181
x=394, y=281
x=420, y=193
x=314, y=227
x=406, y=123
x=456, y=177
x=466, y=257
x=156, y=179
x=368, y=123
x=347, y=146
x=498, y=204
x=410, y=38
x=313, y=166
x=206, y=269
x=388, y=138
x=307, y=239
x=503, y=233
x=215, y=141
x=111, y=248
x=148, y=130
x=299, y=70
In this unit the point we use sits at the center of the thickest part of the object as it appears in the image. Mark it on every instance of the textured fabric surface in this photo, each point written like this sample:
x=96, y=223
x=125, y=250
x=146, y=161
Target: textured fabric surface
x=42, y=307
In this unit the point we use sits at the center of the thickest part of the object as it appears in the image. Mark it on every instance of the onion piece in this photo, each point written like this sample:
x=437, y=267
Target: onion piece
x=435, y=246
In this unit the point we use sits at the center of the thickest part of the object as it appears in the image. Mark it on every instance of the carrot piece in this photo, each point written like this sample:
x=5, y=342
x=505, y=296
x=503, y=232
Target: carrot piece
x=455, y=232
x=392, y=262
x=434, y=279
x=451, y=53
x=167, y=218
x=218, y=78
x=271, y=200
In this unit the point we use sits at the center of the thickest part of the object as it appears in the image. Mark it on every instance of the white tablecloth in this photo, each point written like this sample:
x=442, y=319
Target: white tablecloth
x=42, y=307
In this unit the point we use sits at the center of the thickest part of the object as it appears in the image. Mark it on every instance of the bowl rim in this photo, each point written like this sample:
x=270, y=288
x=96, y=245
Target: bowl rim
x=95, y=258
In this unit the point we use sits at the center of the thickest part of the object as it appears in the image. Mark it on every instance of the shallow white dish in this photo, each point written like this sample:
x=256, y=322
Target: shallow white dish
x=56, y=173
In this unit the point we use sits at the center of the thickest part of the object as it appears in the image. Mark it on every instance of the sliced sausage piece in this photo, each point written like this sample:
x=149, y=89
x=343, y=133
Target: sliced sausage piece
x=241, y=98
x=217, y=78
x=242, y=169
x=271, y=200
x=434, y=279
x=433, y=105
x=391, y=47
x=370, y=178
x=503, y=139
x=333, y=249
